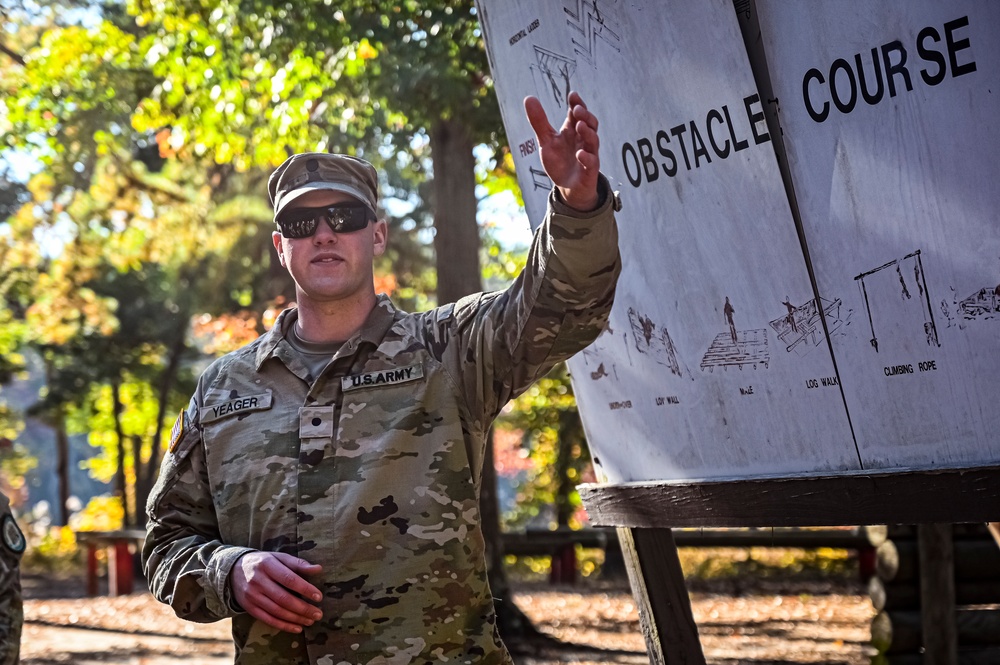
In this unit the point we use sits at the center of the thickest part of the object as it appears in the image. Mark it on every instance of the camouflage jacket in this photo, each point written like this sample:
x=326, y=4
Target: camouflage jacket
x=11, y=608
x=373, y=468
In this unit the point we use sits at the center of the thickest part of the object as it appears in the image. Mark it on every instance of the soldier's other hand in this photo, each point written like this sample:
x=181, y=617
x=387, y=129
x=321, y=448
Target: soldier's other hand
x=268, y=585
x=569, y=156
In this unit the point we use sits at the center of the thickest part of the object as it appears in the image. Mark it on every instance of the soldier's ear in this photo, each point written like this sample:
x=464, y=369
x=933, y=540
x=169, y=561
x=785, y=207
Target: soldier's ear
x=276, y=239
x=381, y=236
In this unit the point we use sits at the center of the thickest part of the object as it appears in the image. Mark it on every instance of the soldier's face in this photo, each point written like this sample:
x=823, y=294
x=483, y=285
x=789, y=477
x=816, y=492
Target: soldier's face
x=328, y=266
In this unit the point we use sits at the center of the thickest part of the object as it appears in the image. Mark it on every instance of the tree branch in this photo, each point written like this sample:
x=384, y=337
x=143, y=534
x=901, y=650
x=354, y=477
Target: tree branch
x=16, y=57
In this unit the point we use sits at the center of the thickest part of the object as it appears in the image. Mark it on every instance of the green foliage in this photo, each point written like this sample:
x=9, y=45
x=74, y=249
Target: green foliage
x=500, y=264
x=766, y=562
x=55, y=551
x=140, y=410
x=156, y=124
x=246, y=81
x=538, y=568
x=547, y=414
x=15, y=463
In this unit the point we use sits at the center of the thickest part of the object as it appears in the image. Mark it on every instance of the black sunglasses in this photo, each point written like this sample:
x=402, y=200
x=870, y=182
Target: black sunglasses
x=341, y=218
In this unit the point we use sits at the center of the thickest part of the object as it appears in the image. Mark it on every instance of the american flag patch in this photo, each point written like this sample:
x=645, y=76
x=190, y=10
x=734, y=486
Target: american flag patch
x=177, y=432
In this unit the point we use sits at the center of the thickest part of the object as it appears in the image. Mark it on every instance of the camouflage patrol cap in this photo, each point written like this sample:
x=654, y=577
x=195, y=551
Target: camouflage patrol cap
x=310, y=171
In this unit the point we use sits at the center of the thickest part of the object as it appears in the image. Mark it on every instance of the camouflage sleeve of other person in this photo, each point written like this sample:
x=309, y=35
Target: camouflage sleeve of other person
x=11, y=606
x=557, y=306
x=184, y=559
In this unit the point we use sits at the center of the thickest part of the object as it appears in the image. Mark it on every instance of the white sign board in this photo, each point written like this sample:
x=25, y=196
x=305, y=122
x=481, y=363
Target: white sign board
x=890, y=114
x=716, y=362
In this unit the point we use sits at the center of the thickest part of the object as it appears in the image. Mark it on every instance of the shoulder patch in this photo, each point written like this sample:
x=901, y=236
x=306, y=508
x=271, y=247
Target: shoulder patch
x=13, y=539
x=385, y=377
x=176, y=432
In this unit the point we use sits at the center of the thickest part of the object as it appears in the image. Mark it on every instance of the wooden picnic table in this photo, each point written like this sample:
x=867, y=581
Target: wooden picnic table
x=119, y=546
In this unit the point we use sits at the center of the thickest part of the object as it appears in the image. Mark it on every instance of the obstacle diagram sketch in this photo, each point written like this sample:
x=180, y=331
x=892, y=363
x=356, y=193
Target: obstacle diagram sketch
x=923, y=296
x=801, y=329
x=552, y=73
x=946, y=311
x=983, y=304
x=592, y=20
x=736, y=348
x=540, y=179
x=592, y=355
x=653, y=340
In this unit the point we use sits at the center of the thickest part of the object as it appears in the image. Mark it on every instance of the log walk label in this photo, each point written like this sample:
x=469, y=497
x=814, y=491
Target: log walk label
x=823, y=381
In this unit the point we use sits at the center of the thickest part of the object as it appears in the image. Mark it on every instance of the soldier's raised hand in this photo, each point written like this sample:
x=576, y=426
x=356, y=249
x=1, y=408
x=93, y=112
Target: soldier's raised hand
x=263, y=583
x=569, y=156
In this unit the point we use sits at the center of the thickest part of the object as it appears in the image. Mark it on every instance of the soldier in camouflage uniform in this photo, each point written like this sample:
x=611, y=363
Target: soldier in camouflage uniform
x=11, y=611
x=322, y=487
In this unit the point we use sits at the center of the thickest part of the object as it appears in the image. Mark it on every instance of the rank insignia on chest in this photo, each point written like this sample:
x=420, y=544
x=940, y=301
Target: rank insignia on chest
x=385, y=377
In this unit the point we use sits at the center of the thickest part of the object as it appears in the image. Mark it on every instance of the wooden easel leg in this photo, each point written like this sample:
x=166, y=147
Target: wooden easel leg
x=994, y=528
x=654, y=571
x=91, y=569
x=937, y=594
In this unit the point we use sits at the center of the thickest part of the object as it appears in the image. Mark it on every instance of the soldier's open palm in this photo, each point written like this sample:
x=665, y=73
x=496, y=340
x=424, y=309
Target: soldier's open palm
x=569, y=156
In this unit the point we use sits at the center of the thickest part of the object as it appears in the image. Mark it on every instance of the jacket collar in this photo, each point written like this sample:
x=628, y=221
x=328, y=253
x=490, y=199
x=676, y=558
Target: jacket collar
x=373, y=330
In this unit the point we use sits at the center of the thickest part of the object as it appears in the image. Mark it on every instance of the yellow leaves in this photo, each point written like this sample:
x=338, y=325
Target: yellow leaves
x=21, y=226
x=366, y=51
x=102, y=513
x=224, y=153
x=58, y=543
x=62, y=309
x=41, y=185
x=128, y=250
x=150, y=115
x=75, y=51
x=225, y=333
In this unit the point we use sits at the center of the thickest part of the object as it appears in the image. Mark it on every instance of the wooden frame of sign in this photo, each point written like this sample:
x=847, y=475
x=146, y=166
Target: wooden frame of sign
x=911, y=497
x=645, y=512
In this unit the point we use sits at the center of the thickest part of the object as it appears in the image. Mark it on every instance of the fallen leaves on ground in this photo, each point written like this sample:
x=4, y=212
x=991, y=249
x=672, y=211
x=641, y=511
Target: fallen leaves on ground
x=760, y=622
x=783, y=623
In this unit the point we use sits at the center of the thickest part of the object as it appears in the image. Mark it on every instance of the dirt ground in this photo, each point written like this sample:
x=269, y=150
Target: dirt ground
x=759, y=622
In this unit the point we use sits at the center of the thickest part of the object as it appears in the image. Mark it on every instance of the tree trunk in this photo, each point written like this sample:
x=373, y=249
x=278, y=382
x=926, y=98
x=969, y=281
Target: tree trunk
x=140, y=497
x=456, y=246
x=456, y=237
x=56, y=417
x=144, y=481
x=563, y=569
x=121, y=486
x=569, y=436
x=62, y=466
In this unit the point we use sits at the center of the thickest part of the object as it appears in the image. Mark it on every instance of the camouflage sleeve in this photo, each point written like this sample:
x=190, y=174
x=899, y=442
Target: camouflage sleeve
x=184, y=559
x=11, y=605
x=556, y=307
